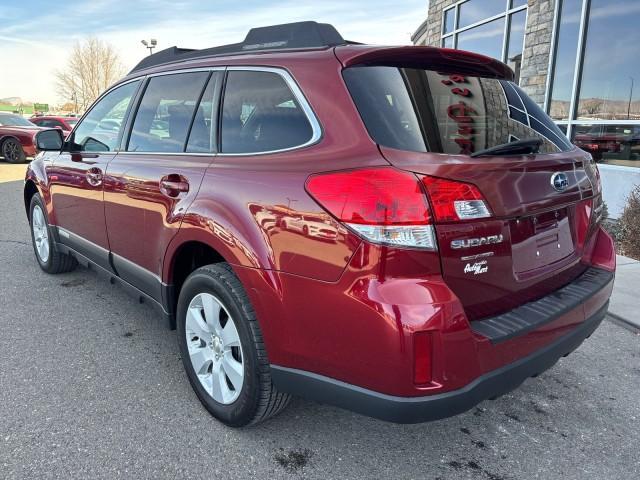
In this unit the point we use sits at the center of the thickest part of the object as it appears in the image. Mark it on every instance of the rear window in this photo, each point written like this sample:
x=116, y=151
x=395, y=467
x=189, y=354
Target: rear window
x=422, y=110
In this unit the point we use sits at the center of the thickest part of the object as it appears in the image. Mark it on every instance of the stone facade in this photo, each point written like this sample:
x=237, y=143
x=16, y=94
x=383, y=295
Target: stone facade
x=433, y=28
x=537, y=48
x=537, y=43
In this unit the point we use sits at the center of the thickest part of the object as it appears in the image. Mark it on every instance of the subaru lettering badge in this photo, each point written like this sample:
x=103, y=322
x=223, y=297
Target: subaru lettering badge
x=559, y=181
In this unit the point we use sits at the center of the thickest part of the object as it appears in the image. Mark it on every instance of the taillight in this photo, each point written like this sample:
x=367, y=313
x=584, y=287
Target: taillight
x=453, y=201
x=383, y=205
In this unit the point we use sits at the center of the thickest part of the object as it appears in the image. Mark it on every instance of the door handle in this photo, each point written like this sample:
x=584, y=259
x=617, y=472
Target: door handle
x=94, y=177
x=173, y=185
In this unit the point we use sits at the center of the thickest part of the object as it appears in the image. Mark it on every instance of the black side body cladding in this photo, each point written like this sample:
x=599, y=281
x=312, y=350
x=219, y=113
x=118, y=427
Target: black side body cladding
x=140, y=284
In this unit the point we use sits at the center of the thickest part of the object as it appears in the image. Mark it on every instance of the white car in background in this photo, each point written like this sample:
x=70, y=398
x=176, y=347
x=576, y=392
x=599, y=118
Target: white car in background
x=309, y=226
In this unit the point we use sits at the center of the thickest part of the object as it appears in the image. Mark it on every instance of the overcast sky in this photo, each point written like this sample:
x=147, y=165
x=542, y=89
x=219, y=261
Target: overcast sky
x=36, y=36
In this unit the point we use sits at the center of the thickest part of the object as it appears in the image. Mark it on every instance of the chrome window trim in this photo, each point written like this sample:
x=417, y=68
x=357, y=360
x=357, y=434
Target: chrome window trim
x=316, y=128
x=199, y=154
x=145, y=84
x=284, y=74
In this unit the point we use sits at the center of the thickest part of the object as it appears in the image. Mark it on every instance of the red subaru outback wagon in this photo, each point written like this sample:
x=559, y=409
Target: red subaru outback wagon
x=399, y=231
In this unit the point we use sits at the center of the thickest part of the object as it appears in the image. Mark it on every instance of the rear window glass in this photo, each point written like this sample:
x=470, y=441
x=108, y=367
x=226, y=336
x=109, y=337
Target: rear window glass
x=422, y=110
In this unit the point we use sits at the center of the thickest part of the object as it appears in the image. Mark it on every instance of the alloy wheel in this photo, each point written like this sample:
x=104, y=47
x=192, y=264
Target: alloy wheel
x=40, y=233
x=214, y=348
x=11, y=151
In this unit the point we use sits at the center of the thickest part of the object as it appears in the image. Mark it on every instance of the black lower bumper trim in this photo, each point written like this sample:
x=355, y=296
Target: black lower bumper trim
x=533, y=315
x=422, y=409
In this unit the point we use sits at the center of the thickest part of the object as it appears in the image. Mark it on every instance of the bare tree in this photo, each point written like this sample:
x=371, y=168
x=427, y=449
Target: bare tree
x=592, y=106
x=92, y=67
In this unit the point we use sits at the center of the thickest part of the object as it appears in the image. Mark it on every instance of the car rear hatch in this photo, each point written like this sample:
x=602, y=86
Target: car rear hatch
x=525, y=214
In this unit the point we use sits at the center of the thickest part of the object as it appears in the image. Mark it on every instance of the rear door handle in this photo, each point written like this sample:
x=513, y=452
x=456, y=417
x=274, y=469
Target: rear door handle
x=94, y=177
x=173, y=185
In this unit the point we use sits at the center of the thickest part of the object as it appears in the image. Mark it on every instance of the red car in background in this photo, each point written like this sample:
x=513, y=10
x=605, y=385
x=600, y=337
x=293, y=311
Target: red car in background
x=620, y=140
x=17, y=138
x=65, y=124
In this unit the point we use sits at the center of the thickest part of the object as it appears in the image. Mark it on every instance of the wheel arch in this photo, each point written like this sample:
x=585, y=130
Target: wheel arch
x=30, y=189
x=9, y=137
x=183, y=256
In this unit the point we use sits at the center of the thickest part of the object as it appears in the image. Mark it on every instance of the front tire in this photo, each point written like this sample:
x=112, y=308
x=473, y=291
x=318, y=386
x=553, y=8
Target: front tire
x=49, y=258
x=222, y=349
x=13, y=152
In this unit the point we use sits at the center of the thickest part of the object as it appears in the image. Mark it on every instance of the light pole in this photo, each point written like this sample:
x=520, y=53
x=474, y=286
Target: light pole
x=630, y=98
x=151, y=44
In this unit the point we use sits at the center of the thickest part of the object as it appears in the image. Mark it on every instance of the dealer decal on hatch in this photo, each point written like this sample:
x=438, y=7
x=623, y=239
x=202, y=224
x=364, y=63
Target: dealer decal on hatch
x=476, y=268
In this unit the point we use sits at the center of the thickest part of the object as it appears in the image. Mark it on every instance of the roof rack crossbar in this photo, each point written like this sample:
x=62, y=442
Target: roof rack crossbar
x=275, y=37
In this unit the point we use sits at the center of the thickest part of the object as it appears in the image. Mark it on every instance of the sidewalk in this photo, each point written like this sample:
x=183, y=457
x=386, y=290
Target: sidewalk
x=11, y=172
x=625, y=300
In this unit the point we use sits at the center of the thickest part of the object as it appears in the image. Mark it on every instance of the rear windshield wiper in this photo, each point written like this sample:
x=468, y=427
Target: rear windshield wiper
x=519, y=147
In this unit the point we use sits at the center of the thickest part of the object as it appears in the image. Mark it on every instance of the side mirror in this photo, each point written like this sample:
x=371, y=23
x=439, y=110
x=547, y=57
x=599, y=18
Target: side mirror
x=49, y=140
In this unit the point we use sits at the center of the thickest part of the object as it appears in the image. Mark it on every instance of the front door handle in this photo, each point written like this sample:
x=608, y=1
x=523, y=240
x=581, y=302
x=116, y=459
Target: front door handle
x=94, y=177
x=173, y=185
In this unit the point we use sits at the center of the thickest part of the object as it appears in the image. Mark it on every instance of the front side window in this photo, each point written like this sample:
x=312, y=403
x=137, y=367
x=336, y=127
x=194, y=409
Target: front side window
x=260, y=113
x=100, y=129
x=164, y=116
x=422, y=110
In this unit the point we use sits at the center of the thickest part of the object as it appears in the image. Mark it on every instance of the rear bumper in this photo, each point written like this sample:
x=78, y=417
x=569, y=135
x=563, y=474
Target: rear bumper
x=421, y=409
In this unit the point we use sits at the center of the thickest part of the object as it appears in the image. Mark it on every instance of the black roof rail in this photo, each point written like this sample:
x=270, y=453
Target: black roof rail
x=275, y=37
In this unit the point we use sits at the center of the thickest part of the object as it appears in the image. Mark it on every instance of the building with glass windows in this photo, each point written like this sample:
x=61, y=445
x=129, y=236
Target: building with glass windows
x=575, y=58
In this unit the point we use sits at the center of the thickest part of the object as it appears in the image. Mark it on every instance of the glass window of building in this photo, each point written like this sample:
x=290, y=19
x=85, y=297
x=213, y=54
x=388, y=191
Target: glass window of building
x=565, y=59
x=448, y=25
x=447, y=42
x=517, y=24
x=479, y=26
x=595, y=95
x=610, y=143
x=611, y=71
x=474, y=11
x=486, y=39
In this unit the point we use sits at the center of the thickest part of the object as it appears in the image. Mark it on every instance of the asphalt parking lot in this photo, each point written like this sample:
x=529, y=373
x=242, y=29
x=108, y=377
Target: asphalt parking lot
x=91, y=386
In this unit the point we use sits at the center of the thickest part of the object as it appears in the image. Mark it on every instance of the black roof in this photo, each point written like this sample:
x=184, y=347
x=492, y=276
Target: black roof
x=275, y=37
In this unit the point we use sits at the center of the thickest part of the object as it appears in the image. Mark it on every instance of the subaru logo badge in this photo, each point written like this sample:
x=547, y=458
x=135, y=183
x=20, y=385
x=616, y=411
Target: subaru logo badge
x=559, y=181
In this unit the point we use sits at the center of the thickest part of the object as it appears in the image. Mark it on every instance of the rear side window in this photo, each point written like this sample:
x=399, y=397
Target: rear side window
x=164, y=116
x=260, y=113
x=422, y=110
x=202, y=134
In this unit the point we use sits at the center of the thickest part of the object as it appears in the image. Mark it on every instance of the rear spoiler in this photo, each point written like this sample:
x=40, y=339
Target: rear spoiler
x=444, y=60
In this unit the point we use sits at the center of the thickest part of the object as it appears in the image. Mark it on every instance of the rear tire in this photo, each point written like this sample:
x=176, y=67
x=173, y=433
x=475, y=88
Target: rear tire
x=247, y=396
x=50, y=259
x=12, y=151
